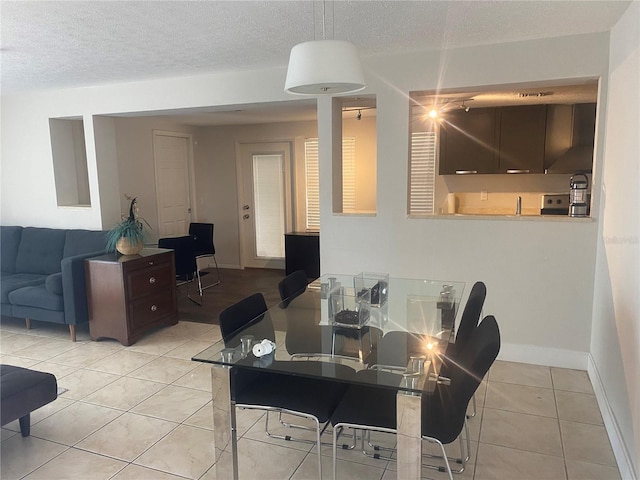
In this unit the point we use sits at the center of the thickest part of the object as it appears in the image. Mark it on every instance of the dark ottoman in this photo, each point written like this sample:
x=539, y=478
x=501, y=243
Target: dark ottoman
x=22, y=391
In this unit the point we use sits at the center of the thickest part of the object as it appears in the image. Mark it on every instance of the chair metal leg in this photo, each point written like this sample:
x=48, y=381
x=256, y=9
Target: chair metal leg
x=464, y=456
x=213, y=284
x=187, y=282
x=336, y=434
x=319, y=431
x=474, y=411
x=444, y=455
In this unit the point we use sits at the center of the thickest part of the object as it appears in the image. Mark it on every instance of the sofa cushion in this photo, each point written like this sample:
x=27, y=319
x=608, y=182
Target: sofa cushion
x=54, y=283
x=9, y=242
x=13, y=282
x=40, y=250
x=79, y=242
x=38, y=297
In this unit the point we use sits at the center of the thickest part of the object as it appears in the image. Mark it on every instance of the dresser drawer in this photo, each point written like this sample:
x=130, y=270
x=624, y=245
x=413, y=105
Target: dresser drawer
x=150, y=310
x=148, y=281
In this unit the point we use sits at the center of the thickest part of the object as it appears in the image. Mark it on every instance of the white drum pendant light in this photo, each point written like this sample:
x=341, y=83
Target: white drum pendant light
x=324, y=67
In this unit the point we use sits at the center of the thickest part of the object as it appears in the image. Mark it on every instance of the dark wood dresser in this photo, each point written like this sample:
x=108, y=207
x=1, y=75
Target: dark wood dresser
x=128, y=295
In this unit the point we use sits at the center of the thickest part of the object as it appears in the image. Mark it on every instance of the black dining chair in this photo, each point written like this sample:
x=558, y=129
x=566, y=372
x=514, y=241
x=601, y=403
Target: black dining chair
x=202, y=234
x=470, y=318
x=292, y=286
x=468, y=323
x=395, y=348
x=185, y=261
x=370, y=408
x=266, y=389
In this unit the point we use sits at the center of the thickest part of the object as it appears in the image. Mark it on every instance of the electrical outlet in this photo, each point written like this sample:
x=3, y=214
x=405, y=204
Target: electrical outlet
x=483, y=194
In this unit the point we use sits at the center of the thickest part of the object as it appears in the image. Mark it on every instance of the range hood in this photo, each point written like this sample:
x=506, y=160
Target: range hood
x=570, y=141
x=578, y=159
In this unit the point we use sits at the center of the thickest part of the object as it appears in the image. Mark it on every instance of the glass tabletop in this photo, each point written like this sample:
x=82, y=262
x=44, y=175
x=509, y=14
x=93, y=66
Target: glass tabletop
x=391, y=331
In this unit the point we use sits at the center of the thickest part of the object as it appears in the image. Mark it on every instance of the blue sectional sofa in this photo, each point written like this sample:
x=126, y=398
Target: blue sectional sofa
x=43, y=273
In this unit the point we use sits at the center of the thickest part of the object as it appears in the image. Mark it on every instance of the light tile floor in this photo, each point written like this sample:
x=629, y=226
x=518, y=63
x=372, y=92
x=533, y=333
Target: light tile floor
x=144, y=412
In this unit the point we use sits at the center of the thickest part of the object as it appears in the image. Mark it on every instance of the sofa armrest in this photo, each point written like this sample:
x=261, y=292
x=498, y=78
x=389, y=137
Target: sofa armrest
x=75, y=289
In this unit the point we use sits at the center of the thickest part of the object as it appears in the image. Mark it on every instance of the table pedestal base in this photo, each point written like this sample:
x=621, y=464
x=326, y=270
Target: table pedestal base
x=409, y=435
x=224, y=425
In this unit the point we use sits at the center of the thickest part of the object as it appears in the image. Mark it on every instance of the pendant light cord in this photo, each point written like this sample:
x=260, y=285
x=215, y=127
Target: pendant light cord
x=324, y=14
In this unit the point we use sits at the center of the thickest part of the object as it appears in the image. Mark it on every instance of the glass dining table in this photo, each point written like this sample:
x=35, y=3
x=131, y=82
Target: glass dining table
x=366, y=322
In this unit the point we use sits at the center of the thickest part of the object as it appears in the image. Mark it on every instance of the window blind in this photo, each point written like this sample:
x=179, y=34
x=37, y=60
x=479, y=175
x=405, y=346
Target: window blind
x=348, y=175
x=422, y=173
x=313, y=183
x=312, y=179
x=268, y=190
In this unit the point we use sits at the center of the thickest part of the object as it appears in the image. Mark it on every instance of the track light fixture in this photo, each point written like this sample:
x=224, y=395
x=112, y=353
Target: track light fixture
x=357, y=109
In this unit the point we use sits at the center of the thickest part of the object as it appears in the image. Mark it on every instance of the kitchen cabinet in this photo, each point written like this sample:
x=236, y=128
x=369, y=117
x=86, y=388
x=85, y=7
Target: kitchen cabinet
x=518, y=139
x=522, y=139
x=468, y=142
x=130, y=294
x=302, y=252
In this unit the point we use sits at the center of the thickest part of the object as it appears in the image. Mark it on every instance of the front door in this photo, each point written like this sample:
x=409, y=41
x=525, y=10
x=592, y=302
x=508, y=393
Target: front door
x=265, y=199
x=171, y=155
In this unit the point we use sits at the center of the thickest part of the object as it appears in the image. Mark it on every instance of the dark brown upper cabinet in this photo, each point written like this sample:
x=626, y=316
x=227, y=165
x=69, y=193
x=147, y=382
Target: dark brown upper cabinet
x=468, y=142
x=522, y=137
x=518, y=139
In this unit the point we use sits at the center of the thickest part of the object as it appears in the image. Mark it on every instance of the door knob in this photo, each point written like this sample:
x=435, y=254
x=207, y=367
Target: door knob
x=246, y=207
x=245, y=216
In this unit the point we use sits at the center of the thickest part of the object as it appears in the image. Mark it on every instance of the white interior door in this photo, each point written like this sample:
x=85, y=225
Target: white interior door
x=171, y=156
x=265, y=203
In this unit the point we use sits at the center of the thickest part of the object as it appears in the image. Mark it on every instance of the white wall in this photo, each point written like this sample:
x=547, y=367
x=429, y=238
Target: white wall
x=217, y=176
x=615, y=341
x=134, y=142
x=28, y=188
x=539, y=274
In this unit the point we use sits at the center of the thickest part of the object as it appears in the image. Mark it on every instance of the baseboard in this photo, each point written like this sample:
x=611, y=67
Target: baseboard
x=623, y=457
x=234, y=267
x=551, y=357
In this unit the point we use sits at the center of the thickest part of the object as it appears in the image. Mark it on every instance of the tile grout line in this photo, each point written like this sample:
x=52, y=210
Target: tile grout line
x=555, y=400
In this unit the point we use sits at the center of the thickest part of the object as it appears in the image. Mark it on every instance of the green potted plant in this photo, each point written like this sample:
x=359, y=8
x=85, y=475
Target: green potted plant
x=128, y=236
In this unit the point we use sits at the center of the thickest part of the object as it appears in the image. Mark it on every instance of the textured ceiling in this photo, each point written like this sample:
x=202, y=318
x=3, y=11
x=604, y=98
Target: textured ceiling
x=66, y=44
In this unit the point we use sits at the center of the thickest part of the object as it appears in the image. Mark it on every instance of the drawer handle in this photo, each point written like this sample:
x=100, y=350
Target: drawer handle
x=154, y=308
x=518, y=171
x=150, y=263
x=152, y=280
x=466, y=172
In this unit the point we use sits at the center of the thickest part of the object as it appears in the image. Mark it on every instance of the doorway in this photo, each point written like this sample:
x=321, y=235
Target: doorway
x=172, y=158
x=265, y=199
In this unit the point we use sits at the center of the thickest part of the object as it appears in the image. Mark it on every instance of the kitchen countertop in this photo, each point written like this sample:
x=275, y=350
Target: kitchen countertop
x=519, y=218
